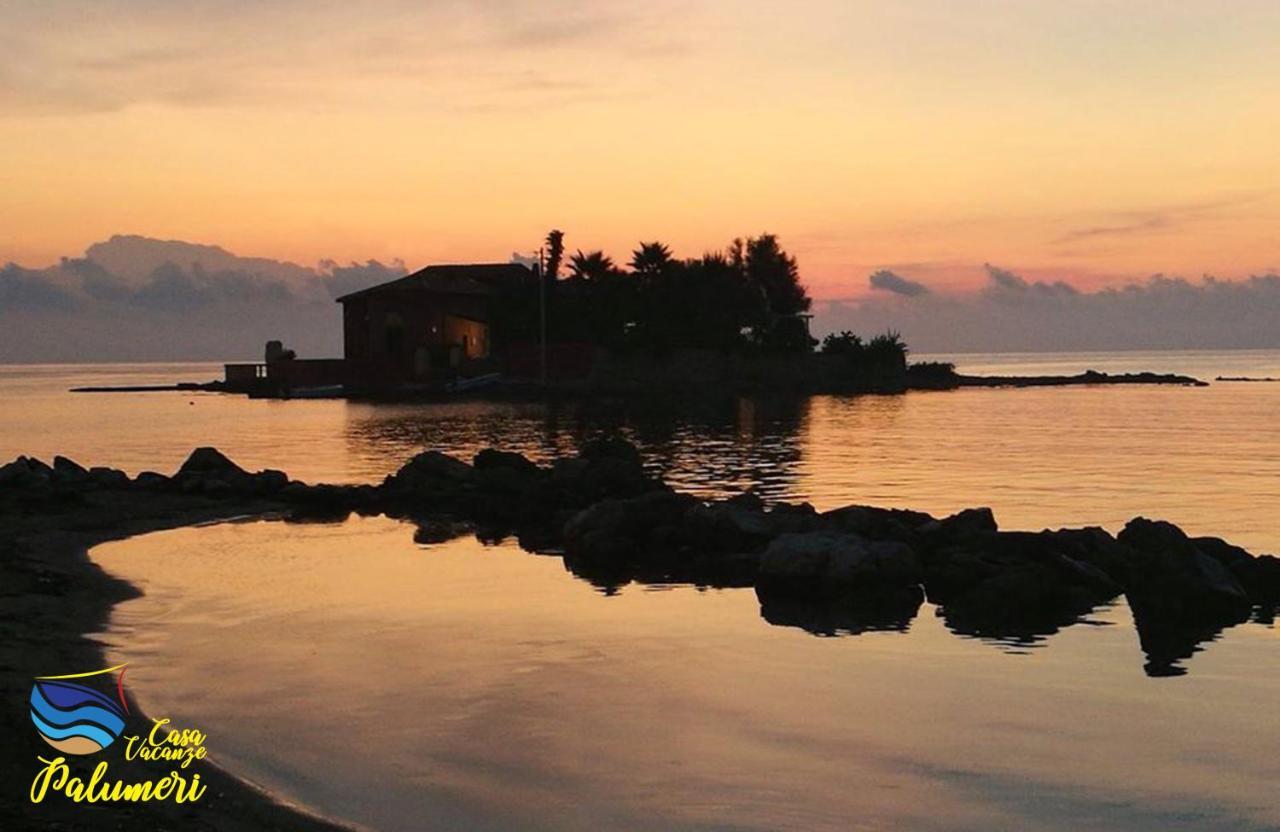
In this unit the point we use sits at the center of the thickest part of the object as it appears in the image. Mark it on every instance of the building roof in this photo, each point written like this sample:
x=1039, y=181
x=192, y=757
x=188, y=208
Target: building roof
x=460, y=279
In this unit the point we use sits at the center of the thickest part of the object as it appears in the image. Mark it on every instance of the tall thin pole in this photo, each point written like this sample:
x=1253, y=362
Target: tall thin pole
x=542, y=312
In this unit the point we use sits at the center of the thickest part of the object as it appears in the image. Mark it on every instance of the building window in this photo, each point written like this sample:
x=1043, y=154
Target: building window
x=393, y=331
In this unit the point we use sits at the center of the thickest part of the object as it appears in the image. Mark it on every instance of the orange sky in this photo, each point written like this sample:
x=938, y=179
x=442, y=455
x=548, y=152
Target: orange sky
x=1092, y=141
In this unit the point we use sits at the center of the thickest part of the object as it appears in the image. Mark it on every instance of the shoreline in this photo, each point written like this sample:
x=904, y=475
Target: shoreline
x=857, y=567
x=916, y=378
x=59, y=599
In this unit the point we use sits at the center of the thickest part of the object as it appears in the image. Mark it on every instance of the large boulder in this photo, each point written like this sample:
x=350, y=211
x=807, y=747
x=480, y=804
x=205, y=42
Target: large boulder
x=505, y=471
x=1170, y=575
x=493, y=459
x=610, y=447
x=622, y=529
x=971, y=522
x=877, y=523
x=1260, y=576
x=209, y=462
x=105, y=477
x=606, y=468
x=25, y=472
x=835, y=563
x=152, y=481
x=433, y=471
x=1015, y=584
x=69, y=471
x=729, y=527
x=1180, y=596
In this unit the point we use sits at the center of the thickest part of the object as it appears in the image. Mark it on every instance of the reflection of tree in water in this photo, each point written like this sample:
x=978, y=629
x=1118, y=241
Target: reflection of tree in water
x=708, y=448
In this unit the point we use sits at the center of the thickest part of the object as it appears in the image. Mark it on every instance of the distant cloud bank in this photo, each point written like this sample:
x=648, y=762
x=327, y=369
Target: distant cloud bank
x=133, y=299
x=1011, y=313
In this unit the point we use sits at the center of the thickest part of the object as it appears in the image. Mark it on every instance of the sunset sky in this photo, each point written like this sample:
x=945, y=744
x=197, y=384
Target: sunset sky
x=1090, y=141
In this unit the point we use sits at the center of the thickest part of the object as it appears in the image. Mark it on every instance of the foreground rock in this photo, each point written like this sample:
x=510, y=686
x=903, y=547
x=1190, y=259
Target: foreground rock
x=851, y=569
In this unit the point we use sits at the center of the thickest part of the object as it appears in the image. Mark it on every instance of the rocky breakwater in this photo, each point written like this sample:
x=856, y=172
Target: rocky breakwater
x=862, y=568
x=848, y=570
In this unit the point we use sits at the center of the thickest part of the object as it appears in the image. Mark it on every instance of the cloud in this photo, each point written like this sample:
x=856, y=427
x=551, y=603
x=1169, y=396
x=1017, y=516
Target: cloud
x=318, y=55
x=135, y=298
x=342, y=280
x=1012, y=313
x=1004, y=283
x=1002, y=279
x=1157, y=220
x=28, y=289
x=887, y=281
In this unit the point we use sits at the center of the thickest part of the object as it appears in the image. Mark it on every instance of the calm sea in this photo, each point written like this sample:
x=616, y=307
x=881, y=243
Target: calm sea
x=461, y=686
x=1204, y=458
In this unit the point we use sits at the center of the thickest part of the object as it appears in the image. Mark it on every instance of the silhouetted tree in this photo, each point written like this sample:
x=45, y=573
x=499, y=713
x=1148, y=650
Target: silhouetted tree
x=651, y=260
x=845, y=343
x=555, y=253
x=594, y=266
x=766, y=264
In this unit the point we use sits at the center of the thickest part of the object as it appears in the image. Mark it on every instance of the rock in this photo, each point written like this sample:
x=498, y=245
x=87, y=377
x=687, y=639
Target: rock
x=505, y=472
x=269, y=481
x=747, y=500
x=108, y=477
x=1181, y=596
x=832, y=562
x=1019, y=603
x=970, y=522
x=613, y=477
x=1221, y=551
x=209, y=462
x=491, y=459
x=1015, y=584
x=217, y=489
x=319, y=503
x=728, y=527
x=433, y=471
x=68, y=470
x=1094, y=546
x=610, y=447
x=1260, y=577
x=877, y=523
x=585, y=480
x=152, y=481
x=25, y=473
x=1171, y=583
x=614, y=529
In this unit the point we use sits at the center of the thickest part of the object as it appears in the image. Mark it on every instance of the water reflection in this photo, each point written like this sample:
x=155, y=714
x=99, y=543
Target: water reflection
x=712, y=448
x=486, y=689
x=1167, y=643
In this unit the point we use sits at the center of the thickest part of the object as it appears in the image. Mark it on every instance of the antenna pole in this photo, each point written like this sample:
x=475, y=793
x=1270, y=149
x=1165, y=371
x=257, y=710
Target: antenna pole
x=542, y=313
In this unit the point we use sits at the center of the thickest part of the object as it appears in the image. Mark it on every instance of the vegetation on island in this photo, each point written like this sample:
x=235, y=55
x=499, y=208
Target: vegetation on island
x=746, y=298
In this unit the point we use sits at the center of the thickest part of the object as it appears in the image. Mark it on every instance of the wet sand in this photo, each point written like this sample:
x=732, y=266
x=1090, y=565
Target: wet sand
x=54, y=598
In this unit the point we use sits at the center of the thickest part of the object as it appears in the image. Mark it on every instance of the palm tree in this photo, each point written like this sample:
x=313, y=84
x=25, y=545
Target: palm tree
x=651, y=259
x=555, y=253
x=594, y=266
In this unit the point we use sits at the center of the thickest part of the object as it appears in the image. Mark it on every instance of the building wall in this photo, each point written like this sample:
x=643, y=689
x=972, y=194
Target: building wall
x=407, y=336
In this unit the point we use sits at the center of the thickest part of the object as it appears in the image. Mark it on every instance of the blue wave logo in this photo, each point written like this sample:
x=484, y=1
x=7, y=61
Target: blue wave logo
x=74, y=718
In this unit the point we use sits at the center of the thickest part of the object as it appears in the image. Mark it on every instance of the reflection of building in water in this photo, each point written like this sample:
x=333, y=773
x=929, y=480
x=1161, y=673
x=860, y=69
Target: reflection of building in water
x=709, y=448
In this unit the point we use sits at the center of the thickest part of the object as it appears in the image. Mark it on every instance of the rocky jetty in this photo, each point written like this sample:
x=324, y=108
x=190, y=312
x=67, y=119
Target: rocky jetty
x=847, y=570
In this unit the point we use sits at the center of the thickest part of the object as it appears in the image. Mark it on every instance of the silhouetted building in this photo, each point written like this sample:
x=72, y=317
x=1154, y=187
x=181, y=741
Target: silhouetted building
x=427, y=327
